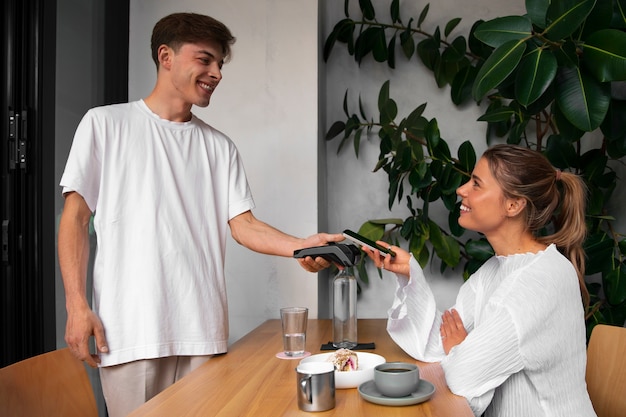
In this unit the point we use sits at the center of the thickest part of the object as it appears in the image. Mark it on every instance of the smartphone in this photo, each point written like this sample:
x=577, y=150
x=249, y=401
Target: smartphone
x=363, y=241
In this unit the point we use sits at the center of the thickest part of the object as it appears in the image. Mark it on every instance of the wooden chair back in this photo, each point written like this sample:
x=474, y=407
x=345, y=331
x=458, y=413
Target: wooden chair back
x=606, y=370
x=52, y=384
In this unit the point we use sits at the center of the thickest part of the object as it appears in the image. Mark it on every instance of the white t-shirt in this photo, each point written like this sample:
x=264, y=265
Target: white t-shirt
x=525, y=352
x=162, y=194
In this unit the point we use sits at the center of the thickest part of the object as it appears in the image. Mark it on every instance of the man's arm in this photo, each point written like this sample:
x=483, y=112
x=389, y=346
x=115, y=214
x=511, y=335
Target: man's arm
x=260, y=237
x=73, y=247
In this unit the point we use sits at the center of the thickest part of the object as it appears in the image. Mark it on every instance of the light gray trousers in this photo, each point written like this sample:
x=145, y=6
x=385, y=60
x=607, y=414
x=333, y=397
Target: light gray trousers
x=129, y=385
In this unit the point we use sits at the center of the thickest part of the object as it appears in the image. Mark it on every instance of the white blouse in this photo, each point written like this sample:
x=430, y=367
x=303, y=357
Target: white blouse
x=525, y=352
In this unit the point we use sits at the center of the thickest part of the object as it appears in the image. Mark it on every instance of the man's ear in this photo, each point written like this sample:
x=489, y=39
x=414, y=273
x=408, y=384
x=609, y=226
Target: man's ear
x=165, y=54
x=515, y=206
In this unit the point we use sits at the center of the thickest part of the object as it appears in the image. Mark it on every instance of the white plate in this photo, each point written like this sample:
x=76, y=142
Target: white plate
x=352, y=379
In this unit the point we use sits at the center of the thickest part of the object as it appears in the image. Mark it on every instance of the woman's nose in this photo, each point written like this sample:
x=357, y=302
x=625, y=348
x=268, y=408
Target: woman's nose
x=461, y=190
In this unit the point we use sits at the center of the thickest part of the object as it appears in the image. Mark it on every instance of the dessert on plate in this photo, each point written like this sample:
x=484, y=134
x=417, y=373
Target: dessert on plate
x=344, y=360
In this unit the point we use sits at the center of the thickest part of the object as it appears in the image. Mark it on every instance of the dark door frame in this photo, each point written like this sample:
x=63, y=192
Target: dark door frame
x=27, y=176
x=27, y=215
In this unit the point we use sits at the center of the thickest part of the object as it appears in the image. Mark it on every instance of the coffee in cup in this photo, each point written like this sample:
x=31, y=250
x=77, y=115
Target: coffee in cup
x=396, y=379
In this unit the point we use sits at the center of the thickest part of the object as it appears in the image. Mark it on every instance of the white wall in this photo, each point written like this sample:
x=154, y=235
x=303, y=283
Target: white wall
x=355, y=194
x=266, y=103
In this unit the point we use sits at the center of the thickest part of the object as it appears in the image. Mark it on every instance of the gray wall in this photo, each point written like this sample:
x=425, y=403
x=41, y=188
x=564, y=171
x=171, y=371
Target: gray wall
x=78, y=88
x=355, y=194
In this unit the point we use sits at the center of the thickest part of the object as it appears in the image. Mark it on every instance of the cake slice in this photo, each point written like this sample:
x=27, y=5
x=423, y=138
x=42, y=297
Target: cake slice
x=344, y=360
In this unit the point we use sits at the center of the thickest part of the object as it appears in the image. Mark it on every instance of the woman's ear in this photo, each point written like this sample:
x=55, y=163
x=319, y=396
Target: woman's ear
x=515, y=206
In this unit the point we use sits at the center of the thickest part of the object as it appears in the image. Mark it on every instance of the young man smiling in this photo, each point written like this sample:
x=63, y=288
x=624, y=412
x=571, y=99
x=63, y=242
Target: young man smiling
x=163, y=188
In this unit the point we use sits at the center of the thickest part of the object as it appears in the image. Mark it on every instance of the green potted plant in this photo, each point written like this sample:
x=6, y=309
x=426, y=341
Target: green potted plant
x=553, y=79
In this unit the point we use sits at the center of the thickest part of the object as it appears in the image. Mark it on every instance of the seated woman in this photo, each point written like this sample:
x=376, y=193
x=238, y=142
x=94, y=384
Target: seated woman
x=514, y=344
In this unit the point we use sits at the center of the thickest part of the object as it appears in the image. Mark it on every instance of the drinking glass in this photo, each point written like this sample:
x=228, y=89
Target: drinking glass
x=294, y=320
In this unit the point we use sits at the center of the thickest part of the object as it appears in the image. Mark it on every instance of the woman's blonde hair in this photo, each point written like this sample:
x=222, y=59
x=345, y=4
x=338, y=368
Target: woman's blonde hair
x=554, y=200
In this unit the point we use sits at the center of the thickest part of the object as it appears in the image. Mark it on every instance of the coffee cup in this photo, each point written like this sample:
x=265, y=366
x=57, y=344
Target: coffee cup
x=396, y=379
x=316, y=386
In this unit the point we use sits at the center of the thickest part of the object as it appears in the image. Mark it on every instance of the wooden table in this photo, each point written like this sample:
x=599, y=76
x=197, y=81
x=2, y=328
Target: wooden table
x=250, y=381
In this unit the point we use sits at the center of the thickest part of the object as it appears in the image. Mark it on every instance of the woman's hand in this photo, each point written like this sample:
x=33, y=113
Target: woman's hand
x=452, y=330
x=398, y=264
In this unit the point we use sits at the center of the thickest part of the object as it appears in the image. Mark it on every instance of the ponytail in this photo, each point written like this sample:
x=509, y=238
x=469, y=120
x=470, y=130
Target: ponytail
x=570, y=229
x=555, y=199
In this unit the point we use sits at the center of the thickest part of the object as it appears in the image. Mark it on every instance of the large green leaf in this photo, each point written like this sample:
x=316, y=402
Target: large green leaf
x=423, y=15
x=453, y=223
x=613, y=129
x=383, y=95
x=504, y=29
x=560, y=151
x=467, y=156
x=368, y=9
x=565, y=16
x=604, y=55
x=420, y=177
x=477, y=47
x=446, y=248
x=461, y=90
x=598, y=249
x=428, y=51
x=371, y=40
x=615, y=286
x=394, y=11
x=337, y=128
x=498, y=67
x=583, y=100
x=407, y=42
x=479, y=249
x=536, y=10
x=450, y=181
x=431, y=134
x=534, y=75
x=599, y=18
x=566, y=128
x=498, y=114
x=342, y=32
x=456, y=51
x=620, y=8
x=450, y=26
x=372, y=231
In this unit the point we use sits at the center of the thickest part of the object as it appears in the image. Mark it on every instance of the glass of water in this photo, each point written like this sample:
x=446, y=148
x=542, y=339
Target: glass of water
x=294, y=320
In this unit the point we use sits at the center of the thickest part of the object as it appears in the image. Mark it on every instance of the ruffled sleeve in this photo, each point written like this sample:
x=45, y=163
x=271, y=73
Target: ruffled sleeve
x=486, y=358
x=413, y=319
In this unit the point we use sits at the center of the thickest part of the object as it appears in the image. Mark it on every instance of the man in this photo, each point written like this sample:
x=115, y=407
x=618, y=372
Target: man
x=163, y=186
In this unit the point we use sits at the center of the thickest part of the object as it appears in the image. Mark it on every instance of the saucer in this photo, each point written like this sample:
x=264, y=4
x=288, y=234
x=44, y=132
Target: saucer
x=370, y=393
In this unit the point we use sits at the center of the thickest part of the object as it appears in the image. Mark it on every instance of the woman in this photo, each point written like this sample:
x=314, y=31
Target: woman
x=514, y=344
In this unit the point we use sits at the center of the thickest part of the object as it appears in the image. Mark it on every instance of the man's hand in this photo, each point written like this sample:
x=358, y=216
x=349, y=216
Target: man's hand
x=452, y=330
x=320, y=239
x=81, y=325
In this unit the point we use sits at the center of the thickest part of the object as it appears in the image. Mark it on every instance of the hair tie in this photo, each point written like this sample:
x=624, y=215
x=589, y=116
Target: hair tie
x=558, y=175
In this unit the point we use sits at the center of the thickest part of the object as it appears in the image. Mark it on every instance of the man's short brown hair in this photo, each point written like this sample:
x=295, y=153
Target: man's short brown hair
x=177, y=29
